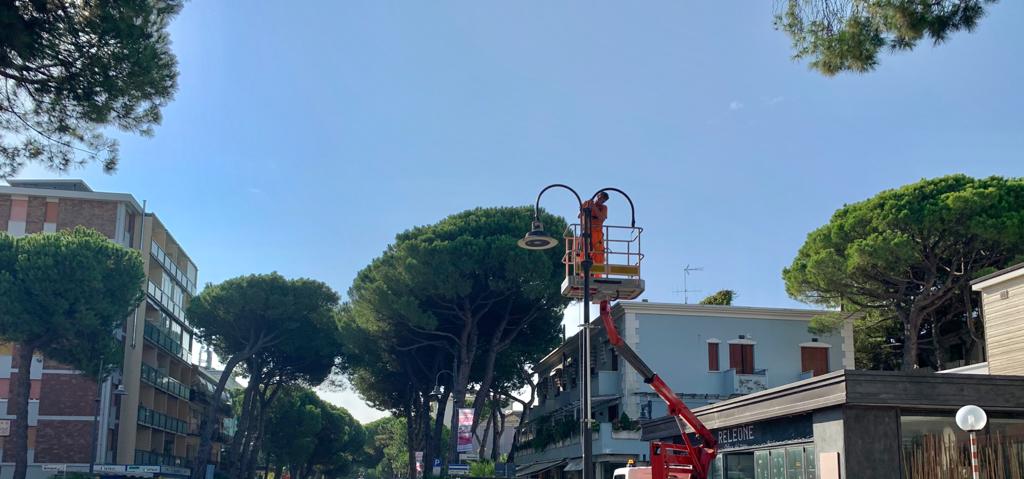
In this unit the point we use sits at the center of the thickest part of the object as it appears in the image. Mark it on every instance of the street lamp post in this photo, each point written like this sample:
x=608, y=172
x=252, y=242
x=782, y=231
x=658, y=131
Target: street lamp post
x=120, y=391
x=453, y=451
x=972, y=419
x=538, y=239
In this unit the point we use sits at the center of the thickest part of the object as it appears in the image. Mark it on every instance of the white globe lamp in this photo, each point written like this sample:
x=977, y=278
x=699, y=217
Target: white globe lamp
x=972, y=419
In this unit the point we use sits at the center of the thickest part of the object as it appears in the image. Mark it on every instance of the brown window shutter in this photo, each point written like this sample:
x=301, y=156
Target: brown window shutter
x=748, y=359
x=712, y=356
x=735, y=357
x=814, y=359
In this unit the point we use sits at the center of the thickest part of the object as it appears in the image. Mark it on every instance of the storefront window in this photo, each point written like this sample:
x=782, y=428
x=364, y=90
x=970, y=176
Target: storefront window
x=761, y=465
x=778, y=458
x=739, y=466
x=716, y=468
x=795, y=463
x=934, y=445
x=809, y=463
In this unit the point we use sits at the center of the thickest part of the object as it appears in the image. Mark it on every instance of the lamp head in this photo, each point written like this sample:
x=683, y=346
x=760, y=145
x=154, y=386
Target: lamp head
x=436, y=393
x=971, y=418
x=537, y=238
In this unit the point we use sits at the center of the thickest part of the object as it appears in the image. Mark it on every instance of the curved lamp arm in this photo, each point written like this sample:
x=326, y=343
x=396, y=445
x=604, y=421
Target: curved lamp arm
x=536, y=206
x=439, y=373
x=632, y=209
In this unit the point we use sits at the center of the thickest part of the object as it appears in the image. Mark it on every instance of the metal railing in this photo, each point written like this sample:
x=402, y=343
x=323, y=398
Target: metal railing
x=151, y=458
x=166, y=341
x=157, y=420
x=180, y=276
x=166, y=301
x=621, y=250
x=163, y=382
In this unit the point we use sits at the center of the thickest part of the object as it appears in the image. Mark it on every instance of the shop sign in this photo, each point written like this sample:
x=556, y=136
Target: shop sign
x=763, y=433
x=5, y=427
x=55, y=467
x=465, y=434
x=114, y=468
x=146, y=469
x=176, y=471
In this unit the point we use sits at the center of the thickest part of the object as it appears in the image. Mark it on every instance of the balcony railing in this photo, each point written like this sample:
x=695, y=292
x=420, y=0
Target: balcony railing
x=180, y=276
x=164, y=382
x=151, y=418
x=734, y=383
x=166, y=301
x=166, y=342
x=150, y=458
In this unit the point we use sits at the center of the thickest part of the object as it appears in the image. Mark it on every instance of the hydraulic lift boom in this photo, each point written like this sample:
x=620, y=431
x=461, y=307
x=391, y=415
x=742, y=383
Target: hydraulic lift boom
x=686, y=461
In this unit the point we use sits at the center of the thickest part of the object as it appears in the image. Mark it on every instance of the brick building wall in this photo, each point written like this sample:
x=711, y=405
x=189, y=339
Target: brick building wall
x=5, y=211
x=36, y=214
x=98, y=215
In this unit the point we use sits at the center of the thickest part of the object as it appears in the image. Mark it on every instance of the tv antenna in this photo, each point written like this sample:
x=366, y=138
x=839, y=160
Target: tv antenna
x=686, y=275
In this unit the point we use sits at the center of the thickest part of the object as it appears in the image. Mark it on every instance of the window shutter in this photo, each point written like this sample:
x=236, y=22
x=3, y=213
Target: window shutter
x=712, y=356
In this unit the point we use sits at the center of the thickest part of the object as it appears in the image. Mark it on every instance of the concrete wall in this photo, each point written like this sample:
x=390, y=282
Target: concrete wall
x=676, y=347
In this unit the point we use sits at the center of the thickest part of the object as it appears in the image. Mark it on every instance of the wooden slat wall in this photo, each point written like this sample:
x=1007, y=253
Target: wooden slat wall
x=1004, y=327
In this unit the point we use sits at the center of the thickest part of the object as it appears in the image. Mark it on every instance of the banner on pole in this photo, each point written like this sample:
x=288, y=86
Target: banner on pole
x=465, y=432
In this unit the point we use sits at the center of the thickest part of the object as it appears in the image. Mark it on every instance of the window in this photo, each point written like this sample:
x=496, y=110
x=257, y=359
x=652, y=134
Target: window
x=741, y=358
x=815, y=359
x=712, y=356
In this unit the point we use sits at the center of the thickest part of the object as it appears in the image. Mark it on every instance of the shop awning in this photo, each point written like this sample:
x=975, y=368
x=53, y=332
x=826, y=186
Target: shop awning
x=538, y=467
x=574, y=465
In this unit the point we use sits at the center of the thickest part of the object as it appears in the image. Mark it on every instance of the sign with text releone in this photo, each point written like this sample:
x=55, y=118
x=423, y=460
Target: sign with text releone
x=465, y=443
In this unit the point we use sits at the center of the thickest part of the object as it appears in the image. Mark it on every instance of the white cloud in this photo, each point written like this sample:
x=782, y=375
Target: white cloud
x=735, y=105
x=773, y=101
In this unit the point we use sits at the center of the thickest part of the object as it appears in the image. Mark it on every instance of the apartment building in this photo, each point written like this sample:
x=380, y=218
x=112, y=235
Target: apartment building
x=707, y=354
x=148, y=412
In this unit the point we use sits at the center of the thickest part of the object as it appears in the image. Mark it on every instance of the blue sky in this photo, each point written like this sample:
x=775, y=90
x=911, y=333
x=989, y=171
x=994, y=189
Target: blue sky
x=305, y=136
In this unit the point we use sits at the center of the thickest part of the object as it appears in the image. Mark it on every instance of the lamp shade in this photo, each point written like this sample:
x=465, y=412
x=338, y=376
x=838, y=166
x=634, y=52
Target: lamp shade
x=537, y=238
x=971, y=418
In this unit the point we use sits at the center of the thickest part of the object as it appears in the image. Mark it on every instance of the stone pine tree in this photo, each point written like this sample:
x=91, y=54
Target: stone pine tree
x=461, y=287
x=721, y=298
x=261, y=315
x=848, y=35
x=64, y=295
x=70, y=69
x=907, y=253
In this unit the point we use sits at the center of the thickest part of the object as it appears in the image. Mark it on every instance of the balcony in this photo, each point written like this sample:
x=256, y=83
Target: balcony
x=734, y=383
x=172, y=269
x=151, y=458
x=605, y=441
x=166, y=301
x=156, y=420
x=163, y=382
x=166, y=341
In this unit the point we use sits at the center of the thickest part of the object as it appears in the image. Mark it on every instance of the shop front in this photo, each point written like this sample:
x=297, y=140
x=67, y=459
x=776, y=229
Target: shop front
x=863, y=424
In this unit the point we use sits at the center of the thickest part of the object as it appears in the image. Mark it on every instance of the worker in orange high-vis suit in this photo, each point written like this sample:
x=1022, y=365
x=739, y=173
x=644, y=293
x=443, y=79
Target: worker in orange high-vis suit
x=598, y=213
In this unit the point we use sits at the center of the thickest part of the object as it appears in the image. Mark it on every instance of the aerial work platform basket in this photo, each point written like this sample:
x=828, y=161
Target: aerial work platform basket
x=615, y=274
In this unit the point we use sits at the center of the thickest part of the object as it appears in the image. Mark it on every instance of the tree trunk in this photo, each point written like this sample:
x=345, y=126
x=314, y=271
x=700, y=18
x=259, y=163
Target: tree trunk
x=19, y=401
x=498, y=428
x=482, y=439
x=278, y=470
x=410, y=434
x=239, y=443
x=438, y=445
x=206, y=425
x=911, y=329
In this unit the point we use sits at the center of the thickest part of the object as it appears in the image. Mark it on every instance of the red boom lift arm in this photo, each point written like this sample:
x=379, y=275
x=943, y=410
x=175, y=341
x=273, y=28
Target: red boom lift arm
x=686, y=461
